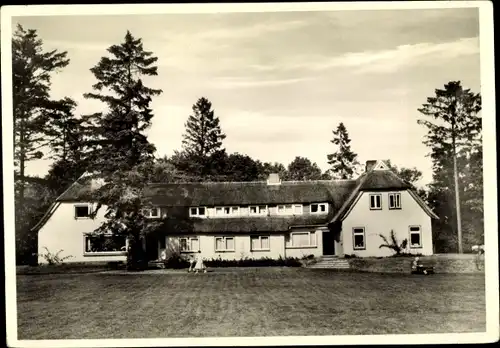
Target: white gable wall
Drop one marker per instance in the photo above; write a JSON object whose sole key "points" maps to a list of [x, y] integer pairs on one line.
{"points": [[63, 232], [376, 222]]}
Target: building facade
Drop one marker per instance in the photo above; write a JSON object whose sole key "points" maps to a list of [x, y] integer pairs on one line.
{"points": [[234, 220]]}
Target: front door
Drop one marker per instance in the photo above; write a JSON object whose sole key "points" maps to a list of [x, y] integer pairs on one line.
{"points": [[328, 243], [152, 247]]}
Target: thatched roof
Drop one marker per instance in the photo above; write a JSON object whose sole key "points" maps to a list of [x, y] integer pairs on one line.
{"points": [[248, 193], [379, 180], [339, 193]]}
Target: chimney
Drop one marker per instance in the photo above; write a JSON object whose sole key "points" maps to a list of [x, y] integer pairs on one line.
{"points": [[273, 179], [370, 164]]}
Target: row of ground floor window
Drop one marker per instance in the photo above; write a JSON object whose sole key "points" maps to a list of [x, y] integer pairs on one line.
{"points": [[298, 243]]}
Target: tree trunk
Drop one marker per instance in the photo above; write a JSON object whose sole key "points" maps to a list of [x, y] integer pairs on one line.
{"points": [[22, 163], [457, 194]]}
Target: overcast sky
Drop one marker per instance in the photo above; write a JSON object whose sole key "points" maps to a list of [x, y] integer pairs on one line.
{"points": [[281, 82]]}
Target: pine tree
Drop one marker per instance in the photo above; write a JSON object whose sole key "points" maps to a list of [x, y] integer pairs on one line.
{"points": [[454, 137], [203, 138], [344, 161], [67, 145], [121, 155], [117, 136], [32, 68]]}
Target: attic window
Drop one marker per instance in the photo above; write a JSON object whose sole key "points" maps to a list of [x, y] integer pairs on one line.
{"points": [[152, 213], [394, 200], [297, 209], [197, 211], [258, 210], [285, 209], [82, 211], [227, 211], [319, 208], [376, 202]]}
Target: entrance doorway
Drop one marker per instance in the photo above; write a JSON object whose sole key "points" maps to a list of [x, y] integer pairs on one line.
{"points": [[152, 247], [328, 243]]}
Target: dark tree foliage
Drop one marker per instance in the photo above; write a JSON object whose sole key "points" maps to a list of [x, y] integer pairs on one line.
{"points": [[267, 168], [344, 161], [121, 157], [240, 167], [302, 169], [453, 124], [116, 136], [202, 141], [32, 68]]}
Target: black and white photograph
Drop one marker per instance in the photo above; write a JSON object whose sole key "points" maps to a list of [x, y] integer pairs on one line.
{"points": [[249, 174]]}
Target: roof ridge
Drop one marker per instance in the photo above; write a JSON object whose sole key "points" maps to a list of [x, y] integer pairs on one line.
{"points": [[250, 182]]}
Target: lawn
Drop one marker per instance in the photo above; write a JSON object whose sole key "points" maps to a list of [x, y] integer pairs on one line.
{"points": [[246, 302]]}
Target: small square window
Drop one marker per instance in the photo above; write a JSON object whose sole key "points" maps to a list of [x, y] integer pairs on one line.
{"points": [[319, 208], [82, 211], [297, 209], [224, 244]]}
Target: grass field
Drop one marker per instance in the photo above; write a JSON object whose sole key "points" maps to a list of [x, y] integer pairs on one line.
{"points": [[246, 302]]}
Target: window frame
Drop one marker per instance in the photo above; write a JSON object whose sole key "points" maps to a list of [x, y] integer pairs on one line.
{"points": [[319, 209], [301, 209], [159, 215], [292, 246], [225, 238], [189, 240], [257, 210], [198, 215], [357, 233], [419, 232], [82, 205], [103, 253], [379, 195], [284, 212], [259, 237], [394, 195]]}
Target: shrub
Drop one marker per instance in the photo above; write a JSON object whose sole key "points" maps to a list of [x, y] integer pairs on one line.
{"points": [[394, 244], [116, 265], [54, 259], [406, 255], [250, 262], [350, 256], [176, 261]]}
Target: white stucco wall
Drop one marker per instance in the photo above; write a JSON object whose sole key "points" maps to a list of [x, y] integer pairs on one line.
{"points": [[383, 221], [63, 232], [291, 251], [242, 247]]}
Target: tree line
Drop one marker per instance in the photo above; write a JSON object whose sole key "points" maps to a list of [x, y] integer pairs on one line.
{"points": [[111, 144]]}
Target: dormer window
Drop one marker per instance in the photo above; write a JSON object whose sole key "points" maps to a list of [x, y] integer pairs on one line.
{"points": [[82, 211], [285, 209], [258, 210], [152, 213], [375, 201], [319, 208], [197, 212]]}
